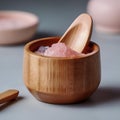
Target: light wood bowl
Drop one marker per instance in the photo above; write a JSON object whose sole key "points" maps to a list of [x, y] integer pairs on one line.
{"points": [[61, 80]]}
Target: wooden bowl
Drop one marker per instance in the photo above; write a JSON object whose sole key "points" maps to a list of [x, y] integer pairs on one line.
{"points": [[17, 26], [60, 80]]}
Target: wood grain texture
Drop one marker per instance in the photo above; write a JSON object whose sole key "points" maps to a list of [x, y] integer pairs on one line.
{"points": [[78, 35], [8, 95], [61, 80]]}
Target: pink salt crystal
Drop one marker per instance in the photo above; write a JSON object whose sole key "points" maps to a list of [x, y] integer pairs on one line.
{"points": [[60, 50], [41, 50]]}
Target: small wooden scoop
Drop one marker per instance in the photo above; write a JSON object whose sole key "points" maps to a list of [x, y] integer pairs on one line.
{"points": [[78, 34], [8, 95]]}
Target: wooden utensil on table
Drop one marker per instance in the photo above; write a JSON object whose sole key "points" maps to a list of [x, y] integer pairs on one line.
{"points": [[8, 95]]}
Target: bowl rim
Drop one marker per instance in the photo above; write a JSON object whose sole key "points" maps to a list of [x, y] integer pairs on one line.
{"points": [[27, 49], [6, 13]]}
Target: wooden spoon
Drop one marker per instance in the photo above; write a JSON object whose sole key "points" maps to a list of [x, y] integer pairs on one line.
{"points": [[8, 95], [78, 34]]}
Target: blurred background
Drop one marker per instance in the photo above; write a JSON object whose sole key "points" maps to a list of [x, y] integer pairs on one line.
{"points": [[54, 15]]}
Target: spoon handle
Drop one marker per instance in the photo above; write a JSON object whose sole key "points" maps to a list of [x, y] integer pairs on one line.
{"points": [[8, 95]]}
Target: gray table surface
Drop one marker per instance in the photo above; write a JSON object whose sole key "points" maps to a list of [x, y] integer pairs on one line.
{"points": [[55, 16]]}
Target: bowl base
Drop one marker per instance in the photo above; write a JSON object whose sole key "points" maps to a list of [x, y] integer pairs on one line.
{"points": [[59, 99]]}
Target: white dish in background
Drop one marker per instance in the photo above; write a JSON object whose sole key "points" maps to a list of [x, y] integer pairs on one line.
{"points": [[17, 26]]}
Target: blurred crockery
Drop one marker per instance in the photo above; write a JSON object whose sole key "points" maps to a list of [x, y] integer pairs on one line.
{"points": [[17, 26], [105, 14]]}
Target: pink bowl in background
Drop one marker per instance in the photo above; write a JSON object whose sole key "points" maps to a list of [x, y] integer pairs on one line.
{"points": [[106, 15], [17, 26]]}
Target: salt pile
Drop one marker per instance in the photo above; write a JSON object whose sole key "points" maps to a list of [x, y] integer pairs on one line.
{"points": [[58, 50]]}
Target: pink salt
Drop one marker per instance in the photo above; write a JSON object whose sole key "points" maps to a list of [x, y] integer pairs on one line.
{"points": [[58, 50]]}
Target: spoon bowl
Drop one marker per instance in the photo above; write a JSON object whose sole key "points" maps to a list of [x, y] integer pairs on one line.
{"points": [[78, 34]]}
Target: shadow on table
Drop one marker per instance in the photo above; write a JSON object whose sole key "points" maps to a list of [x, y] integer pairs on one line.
{"points": [[10, 103], [43, 34], [38, 35], [104, 95]]}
